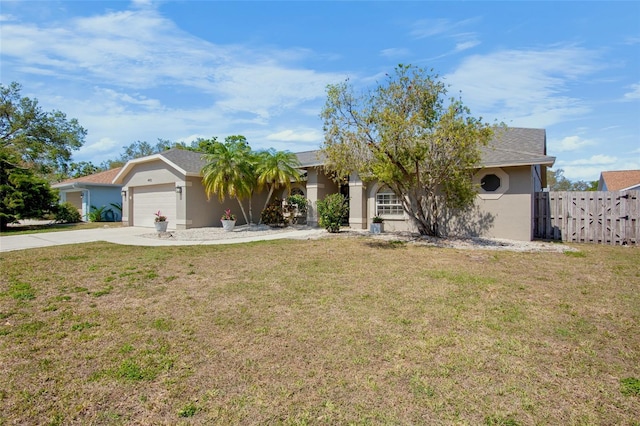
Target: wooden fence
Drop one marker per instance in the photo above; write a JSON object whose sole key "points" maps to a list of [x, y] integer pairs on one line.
{"points": [[588, 217]]}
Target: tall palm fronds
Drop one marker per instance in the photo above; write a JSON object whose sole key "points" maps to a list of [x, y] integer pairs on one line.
{"points": [[229, 171], [276, 169]]}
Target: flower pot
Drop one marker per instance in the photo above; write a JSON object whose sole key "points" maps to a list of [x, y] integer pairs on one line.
{"points": [[376, 228], [161, 226], [228, 225]]}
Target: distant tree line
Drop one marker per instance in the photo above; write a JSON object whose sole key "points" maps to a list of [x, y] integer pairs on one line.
{"points": [[556, 181]]}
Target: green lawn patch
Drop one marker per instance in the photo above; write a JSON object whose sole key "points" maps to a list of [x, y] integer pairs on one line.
{"points": [[329, 331]]}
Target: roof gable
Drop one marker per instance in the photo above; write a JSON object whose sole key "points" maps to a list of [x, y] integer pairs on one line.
{"points": [[185, 162]]}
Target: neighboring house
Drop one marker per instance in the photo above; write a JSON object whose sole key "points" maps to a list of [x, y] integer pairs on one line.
{"points": [[93, 190], [514, 168], [619, 180]]}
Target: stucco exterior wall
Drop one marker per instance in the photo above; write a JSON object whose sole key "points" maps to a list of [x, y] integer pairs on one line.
{"points": [[319, 186], [508, 216], [151, 173], [84, 196]]}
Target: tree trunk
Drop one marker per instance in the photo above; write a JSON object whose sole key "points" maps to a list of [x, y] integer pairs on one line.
{"points": [[242, 209], [266, 203]]}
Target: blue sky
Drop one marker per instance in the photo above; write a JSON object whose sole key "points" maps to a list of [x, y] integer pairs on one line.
{"points": [[179, 70]]}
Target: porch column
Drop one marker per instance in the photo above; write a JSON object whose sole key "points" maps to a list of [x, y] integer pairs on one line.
{"points": [[313, 188], [357, 202]]}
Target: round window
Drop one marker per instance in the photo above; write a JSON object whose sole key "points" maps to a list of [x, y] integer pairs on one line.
{"points": [[490, 183]]}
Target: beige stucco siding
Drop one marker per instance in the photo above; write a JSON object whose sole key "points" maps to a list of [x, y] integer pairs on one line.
{"points": [[318, 187], [151, 173], [507, 216], [512, 213]]}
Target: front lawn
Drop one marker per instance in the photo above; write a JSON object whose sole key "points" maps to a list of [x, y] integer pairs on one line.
{"points": [[55, 227], [329, 331]]}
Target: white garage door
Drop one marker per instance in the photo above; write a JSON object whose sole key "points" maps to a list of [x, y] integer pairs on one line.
{"points": [[147, 200]]}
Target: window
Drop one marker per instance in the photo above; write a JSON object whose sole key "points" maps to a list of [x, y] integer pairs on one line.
{"points": [[297, 191], [493, 183], [490, 183], [388, 203]]}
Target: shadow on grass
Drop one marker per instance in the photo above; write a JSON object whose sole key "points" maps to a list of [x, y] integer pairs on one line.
{"points": [[55, 227], [391, 244]]}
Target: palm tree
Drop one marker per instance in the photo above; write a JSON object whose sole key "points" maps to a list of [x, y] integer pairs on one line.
{"points": [[229, 170], [276, 169]]}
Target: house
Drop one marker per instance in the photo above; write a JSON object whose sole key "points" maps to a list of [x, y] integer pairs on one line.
{"points": [[513, 169], [619, 180], [93, 190]]}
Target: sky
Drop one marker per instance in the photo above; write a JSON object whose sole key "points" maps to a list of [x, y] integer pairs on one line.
{"points": [[179, 70]]}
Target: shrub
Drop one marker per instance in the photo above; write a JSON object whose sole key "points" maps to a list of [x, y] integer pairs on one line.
{"points": [[97, 214], [299, 201], [331, 211], [273, 215], [67, 213]]}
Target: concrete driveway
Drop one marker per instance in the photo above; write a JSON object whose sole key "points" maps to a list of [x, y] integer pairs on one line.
{"points": [[127, 236]]}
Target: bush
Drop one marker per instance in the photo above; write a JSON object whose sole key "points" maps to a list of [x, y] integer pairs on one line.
{"points": [[100, 214], [67, 213], [273, 215], [299, 201], [331, 211]]}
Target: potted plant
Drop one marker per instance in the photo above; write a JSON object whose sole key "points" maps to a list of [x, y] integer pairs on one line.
{"points": [[161, 222], [228, 220], [297, 209], [377, 225]]}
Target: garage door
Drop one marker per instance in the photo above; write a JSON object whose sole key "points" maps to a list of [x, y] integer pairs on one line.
{"points": [[147, 200]]}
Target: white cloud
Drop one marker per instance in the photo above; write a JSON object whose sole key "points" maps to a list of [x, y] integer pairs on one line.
{"points": [[465, 45], [448, 30], [395, 52], [7, 18], [527, 87], [599, 159], [569, 143], [588, 169], [299, 135], [634, 93], [424, 28], [143, 50]]}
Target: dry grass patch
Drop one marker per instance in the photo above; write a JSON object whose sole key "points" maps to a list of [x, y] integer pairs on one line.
{"points": [[330, 331]]}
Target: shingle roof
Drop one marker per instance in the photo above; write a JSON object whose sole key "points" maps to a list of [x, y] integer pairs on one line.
{"points": [[511, 146], [620, 179], [311, 158], [189, 161], [102, 178]]}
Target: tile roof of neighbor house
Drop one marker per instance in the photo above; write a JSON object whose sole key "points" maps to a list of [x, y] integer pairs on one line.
{"points": [[102, 178], [618, 180]]}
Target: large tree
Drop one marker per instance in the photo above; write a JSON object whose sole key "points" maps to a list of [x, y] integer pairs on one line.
{"points": [[35, 145], [408, 135], [39, 140], [276, 169], [23, 194], [230, 170]]}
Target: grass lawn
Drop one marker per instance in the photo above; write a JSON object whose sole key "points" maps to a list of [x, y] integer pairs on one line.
{"points": [[329, 331], [55, 227]]}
